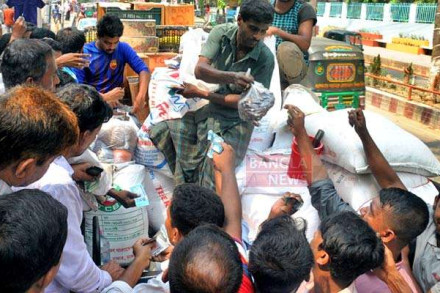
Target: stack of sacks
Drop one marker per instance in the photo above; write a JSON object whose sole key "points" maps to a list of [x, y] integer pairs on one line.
{"points": [[164, 105], [262, 177], [346, 162], [114, 148]]}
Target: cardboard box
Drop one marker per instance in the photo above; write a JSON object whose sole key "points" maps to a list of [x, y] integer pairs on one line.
{"points": [[139, 27], [143, 44]]}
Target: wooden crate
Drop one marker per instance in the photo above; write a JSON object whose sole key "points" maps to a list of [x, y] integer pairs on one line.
{"points": [[148, 6], [152, 60], [139, 27], [158, 59], [143, 44], [179, 15]]}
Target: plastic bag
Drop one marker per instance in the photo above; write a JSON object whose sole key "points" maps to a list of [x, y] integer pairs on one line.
{"points": [[255, 103]]}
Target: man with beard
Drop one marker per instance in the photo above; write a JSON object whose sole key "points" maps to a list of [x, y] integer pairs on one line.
{"points": [[292, 26], [426, 265], [231, 49]]}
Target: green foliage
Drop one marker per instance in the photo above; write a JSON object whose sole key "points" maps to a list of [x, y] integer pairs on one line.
{"points": [[375, 68], [412, 37]]}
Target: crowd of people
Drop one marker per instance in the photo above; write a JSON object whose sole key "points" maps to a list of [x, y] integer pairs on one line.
{"points": [[58, 94]]}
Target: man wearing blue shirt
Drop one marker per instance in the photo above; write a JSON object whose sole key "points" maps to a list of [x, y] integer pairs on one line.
{"points": [[27, 8], [108, 60]]}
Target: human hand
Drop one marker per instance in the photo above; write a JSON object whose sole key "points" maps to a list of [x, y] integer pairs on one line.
{"points": [[19, 28], [139, 104], [191, 91], [77, 60], [225, 161], [357, 120], [287, 205], [114, 269], [242, 79], [165, 255], [124, 197], [80, 174], [272, 31], [142, 250], [114, 95], [295, 120]]}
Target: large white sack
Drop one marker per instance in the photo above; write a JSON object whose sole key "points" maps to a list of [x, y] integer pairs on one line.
{"points": [[342, 146], [190, 46], [357, 189], [120, 226], [263, 135], [261, 181]]}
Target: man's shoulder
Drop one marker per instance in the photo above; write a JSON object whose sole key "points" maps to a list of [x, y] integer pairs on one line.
{"points": [[89, 47], [224, 28]]}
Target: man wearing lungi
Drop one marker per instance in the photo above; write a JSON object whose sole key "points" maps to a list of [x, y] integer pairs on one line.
{"points": [[231, 49]]}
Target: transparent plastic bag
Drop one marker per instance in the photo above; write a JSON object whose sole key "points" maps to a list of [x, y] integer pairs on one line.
{"points": [[255, 103]]}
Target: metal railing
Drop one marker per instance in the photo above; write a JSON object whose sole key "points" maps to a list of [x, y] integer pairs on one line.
{"points": [[335, 9], [320, 9], [400, 12], [354, 10], [399, 83], [375, 11], [425, 13]]}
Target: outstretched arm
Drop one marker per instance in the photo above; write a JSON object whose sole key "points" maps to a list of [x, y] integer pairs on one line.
{"points": [[382, 171], [311, 164], [224, 163]]}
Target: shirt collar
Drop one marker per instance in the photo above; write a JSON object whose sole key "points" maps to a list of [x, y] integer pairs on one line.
{"points": [[231, 35]]}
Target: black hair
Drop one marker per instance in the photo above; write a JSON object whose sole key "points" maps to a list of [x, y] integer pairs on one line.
{"points": [[4, 41], [34, 123], [352, 245], [71, 39], [280, 258], [260, 11], [56, 46], [22, 59], [87, 104], [40, 33], [193, 205], [205, 261], [409, 215], [109, 26], [33, 231]]}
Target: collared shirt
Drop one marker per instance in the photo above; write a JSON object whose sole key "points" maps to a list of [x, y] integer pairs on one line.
{"points": [[4, 188], [77, 272], [427, 256], [221, 49], [106, 71]]}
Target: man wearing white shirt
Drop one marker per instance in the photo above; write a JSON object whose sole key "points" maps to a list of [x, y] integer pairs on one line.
{"points": [[77, 271], [35, 127]]}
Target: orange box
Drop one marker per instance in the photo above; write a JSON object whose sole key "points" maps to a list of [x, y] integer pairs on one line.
{"points": [[158, 59], [148, 6], [179, 15]]}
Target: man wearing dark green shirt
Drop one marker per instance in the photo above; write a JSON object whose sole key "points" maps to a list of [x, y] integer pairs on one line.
{"points": [[228, 53]]}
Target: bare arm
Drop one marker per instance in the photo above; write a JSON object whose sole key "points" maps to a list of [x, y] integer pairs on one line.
{"points": [[302, 39], [141, 261], [311, 164], [206, 72], [225, 164], [382, 171], [141, 98], [191, 91]]}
